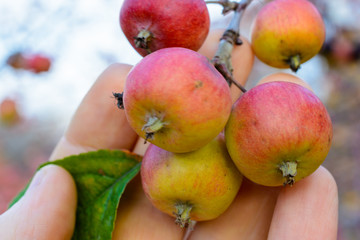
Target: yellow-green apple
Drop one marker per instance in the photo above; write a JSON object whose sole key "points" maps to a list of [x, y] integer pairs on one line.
{"points": [[194, 186], [287, 33]]}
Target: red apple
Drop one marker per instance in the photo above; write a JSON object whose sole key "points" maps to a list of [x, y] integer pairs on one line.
{"points": [[176, 99], [16, 60], [38, 63], [154, 24], [278, 133]]}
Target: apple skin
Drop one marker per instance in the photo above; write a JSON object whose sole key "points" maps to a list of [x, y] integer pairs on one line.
{"points": [[38, 63], [286, 28], [182, 89], [182, 23], [206, 179], [274, 123], [16, 60]]}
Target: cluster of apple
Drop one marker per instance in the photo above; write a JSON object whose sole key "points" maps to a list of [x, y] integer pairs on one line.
{"points": [[35, 62], [201, 142]]}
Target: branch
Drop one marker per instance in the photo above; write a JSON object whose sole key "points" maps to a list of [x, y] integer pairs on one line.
{"points": [[227, 5], [222, 58]]}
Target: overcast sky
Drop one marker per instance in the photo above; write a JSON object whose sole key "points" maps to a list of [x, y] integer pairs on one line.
{"points": [[82, 37]]}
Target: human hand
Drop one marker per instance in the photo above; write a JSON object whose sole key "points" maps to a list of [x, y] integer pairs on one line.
{"points": [[308, 210]]}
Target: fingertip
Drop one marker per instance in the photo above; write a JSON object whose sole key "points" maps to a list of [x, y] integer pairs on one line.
{"points": [[324, 175], [98, 123], [52, 180], [309, 208], [47, 208], [112, 73], [319, 182]]}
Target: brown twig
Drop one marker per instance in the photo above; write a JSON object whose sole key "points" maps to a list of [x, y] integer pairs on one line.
{"points": [[227, 5], [222, 58]]}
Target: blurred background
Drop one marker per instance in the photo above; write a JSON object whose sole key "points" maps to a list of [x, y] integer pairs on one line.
{"points": [[51, 52]]}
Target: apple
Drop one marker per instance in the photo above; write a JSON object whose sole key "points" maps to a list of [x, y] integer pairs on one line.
{"points": [[154, 24], [194, 186], [16, 60], [287, 33], [176, 99], [278, 133], [38, 63]]}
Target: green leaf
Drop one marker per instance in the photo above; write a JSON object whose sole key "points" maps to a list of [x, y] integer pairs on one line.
{"points": [[101, 178]]}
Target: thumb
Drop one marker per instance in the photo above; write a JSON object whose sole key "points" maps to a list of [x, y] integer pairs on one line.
{"points": [[46, 211]]}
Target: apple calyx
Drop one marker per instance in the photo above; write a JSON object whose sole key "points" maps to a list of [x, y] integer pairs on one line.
{"points": [[294, 62], [152, 125], [183, 215], [289, 171], [143, 39]]}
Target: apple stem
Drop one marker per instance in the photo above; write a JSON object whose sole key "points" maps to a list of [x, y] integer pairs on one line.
{"points": [[289, 170], [183, 215], [189, 230], [222, 58], [294, 62], [143, 39], [153, 125]]}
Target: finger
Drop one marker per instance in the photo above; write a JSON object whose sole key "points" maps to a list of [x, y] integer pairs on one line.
{"points": [[284, 77], [141, 146], [44, 212], [98, 123], [308, 210], [248, 217]]}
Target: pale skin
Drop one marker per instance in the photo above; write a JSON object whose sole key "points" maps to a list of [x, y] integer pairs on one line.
{"points": [[308, 210]]}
